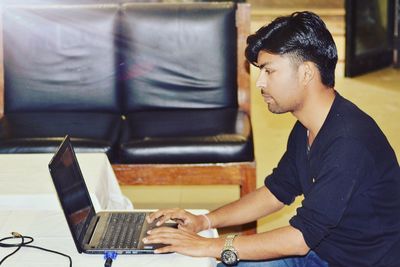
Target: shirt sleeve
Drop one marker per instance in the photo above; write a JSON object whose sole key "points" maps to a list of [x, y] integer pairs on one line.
{"points": [[345, 164], [283, 182]]}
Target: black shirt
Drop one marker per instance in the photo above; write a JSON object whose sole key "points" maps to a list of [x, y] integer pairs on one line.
{"points": [[350, 179]]}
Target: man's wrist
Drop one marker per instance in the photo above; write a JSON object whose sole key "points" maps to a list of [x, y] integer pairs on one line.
{"points": [[207, 225], [215, 247]]}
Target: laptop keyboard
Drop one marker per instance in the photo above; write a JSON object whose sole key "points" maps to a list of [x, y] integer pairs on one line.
{"points": [[123, 231]]}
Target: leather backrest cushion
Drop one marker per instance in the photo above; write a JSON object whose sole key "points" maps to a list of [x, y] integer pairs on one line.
{"points": [[178, 55], [60, 57]]}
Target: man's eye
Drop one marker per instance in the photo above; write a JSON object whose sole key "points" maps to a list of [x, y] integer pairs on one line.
{"points": [[267, 71]]}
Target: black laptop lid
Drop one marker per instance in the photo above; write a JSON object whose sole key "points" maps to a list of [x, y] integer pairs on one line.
{"points": [[72, 191]]}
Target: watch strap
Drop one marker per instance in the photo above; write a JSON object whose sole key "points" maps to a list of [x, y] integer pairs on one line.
{"points": [[228, 247], [229, 241]]}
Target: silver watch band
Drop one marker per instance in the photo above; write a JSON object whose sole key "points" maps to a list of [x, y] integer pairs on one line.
{"points": [[229, 240]]}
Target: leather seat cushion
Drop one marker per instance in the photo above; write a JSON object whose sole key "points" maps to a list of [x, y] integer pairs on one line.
{"points": [[42, 132], [186, 136]]}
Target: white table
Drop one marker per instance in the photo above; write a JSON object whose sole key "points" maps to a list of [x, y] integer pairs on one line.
{"points": [[50, 230], [28, 205], [25, 182]]}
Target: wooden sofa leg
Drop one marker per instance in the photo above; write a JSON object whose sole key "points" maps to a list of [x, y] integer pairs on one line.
{"points": [[248, 179], [248, 184]]}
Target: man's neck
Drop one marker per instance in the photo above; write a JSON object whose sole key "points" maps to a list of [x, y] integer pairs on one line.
{"points": [[315, 109]]}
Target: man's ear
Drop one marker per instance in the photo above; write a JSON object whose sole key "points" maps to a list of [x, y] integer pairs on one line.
{"points": [[307, 72]]}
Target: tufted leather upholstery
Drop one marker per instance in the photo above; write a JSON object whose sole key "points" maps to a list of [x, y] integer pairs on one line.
{"points": [[169, 68]]}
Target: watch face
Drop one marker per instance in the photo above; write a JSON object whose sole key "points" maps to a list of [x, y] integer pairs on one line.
{"points": [[229, 257]]}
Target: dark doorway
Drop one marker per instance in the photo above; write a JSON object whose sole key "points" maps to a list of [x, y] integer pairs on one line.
{"points": [[369, 35]]}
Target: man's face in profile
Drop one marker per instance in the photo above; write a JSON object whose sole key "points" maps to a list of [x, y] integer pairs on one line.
{"points": [[279, 82]]}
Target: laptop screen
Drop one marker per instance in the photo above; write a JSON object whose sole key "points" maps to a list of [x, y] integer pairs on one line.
{"points": [[72, 191]]}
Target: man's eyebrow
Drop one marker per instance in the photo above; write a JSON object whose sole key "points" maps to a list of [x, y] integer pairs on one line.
{"points": [[264, 65]]}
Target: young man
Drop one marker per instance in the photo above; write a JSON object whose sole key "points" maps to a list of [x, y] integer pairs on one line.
{"points": [[337, 158]]}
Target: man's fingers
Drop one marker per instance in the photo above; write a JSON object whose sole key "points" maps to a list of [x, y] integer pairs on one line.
{"points": [[162, 230], [156, 215], [159, 215], [163, 216], [166, 249], [165, 235], [176, 240], [163, 238]]}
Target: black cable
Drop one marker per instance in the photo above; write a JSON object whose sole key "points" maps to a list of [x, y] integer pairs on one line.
{"points": [[24, 243], [109, 256], [19, 245], [52, 251], [108, 262]]}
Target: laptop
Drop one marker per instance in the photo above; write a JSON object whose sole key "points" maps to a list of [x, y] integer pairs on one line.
{"points": [[118, 231]]}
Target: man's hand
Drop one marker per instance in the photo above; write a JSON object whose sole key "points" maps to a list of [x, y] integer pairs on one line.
{"points": [[184, 242], [186, 220]]}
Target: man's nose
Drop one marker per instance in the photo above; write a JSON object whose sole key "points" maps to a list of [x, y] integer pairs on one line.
{"points": [[261, 82]]}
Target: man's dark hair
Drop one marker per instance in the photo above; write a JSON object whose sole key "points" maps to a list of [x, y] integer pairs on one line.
{"points": [[302, 35]]}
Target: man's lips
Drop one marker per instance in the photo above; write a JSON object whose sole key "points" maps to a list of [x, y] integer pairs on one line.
{"points": [[267, 98]]}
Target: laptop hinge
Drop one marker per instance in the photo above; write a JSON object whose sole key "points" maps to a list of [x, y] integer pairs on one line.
{"points": [[90, 231]]}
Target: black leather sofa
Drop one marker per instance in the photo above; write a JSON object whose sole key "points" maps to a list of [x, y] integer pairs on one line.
{"points": [[77, 69], [150, 84]]}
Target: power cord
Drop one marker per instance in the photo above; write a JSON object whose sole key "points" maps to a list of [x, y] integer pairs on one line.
{"points": [[25, 241]]}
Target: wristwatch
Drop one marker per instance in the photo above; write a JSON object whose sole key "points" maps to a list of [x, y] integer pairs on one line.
{"points": [[229, 255]]}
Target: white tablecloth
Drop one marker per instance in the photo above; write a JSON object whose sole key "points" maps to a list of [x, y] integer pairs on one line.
{"points": [[28, 205], [25, 182], [50, 230]]}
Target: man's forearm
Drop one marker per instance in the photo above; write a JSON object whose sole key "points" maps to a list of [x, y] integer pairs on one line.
{"points": [[247, 209], [281, 242]]}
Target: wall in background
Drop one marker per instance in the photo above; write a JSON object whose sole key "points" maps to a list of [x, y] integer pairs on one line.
{"points": [[298, 3], [332, 12]]}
